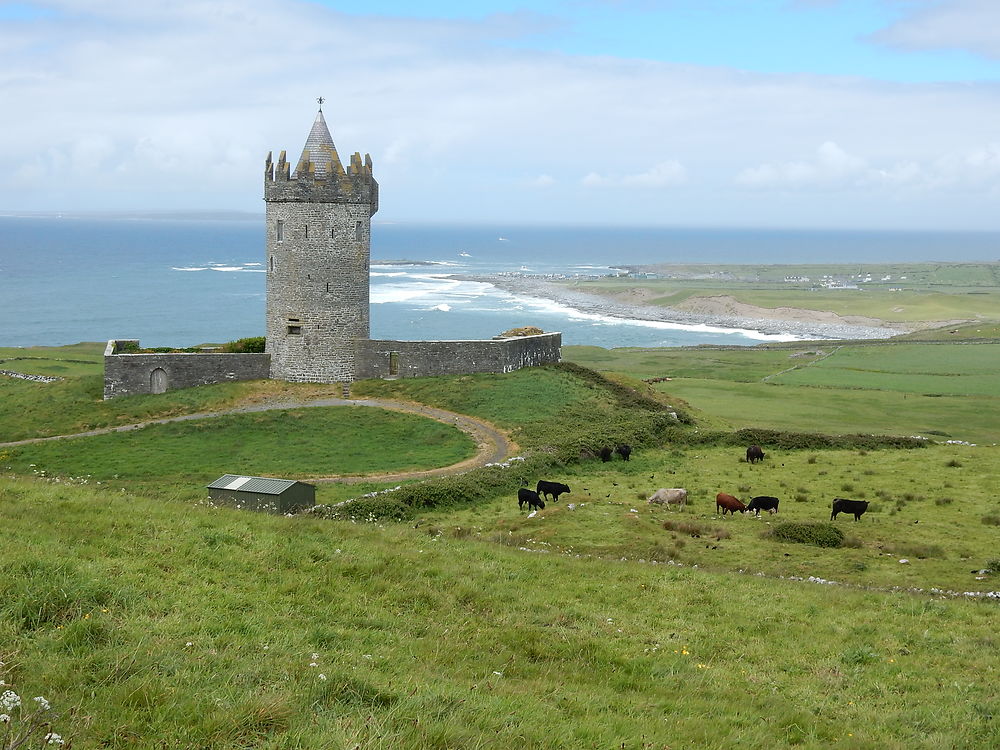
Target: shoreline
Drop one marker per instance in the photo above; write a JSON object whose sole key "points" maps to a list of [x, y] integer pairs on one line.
{"points": [[591, 303]]}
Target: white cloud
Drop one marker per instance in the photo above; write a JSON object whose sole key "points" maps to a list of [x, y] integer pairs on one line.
{"points": [[662, 175], [971, 25], [833, 168], [160, 104]]}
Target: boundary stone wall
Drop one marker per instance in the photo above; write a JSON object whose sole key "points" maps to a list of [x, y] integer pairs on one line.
{"points": [[132, 374], [411, 359]]}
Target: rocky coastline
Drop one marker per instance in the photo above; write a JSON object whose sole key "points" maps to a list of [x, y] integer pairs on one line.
{"points": [[786, 324]]}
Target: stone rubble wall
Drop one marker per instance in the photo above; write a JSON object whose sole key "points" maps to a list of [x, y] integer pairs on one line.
{"points": [[425, 358], [131, 374]]}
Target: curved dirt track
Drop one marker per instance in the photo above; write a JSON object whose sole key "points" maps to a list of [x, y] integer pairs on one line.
{"points": [[492, 445]]}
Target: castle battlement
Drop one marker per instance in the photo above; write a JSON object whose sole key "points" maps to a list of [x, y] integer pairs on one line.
{"points": [[319, 175]]}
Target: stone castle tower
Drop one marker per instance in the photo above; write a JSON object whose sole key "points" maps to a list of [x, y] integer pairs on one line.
{"points": [[318, 225]]}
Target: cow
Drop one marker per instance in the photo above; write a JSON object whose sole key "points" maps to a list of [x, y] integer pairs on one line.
{"points": [[524, 495], [763, 502], [544, 489], [669, 496], [605, 454], [728, 502], [754, 454], [624, 451], [855, 507]]}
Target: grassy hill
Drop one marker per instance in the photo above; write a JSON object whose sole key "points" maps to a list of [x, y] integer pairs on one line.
{"points": [[149, 618]]}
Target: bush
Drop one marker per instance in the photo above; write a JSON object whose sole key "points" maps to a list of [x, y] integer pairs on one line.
{"points": [[818, 534], [991, 519], [249, 345]]}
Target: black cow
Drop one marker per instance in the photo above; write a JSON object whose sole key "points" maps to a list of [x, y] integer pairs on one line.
{"points": [[754, 454], [763, 502], [624, 451], [555, 489], [605, 454], [856, 507], [524, 495]]}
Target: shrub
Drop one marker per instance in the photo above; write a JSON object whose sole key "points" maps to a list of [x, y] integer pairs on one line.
{"points": [[847, 487], [919, 551], [954, 463], [993, 566], [811, 460], [250, 345], [815, 533], [944, 501], [991, 519]]}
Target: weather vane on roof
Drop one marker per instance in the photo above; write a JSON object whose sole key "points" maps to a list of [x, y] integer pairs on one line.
{"points": [[320, 99]]}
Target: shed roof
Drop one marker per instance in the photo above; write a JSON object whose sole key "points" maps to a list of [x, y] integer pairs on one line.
{"points": [[260, 485]]}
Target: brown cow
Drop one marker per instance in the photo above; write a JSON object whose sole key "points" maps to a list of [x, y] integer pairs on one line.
{"points": [[728, 502]]}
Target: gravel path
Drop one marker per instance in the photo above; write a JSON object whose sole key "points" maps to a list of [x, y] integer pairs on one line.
{"points": [[492, 446]]}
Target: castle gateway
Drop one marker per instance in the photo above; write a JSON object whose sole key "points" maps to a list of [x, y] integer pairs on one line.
{"points": [[318, 225]]}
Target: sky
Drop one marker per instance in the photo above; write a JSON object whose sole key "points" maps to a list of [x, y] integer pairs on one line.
{"points": [[851, 114]]}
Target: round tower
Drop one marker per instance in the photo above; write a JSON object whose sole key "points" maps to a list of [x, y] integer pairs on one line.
{"points": [[318, 226]]}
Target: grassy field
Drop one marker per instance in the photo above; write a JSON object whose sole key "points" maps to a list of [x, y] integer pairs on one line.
{"points": [[149, 618], [926, 505], [945, 390], [901, 293], [299, 442], [148, 623]]}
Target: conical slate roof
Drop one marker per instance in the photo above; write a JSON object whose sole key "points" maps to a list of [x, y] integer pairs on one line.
{"points": [[320, 151]]}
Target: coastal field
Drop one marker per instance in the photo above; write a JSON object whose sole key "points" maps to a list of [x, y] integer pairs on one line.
{"points": [[147, 617], [939, 390], [908, 296]]}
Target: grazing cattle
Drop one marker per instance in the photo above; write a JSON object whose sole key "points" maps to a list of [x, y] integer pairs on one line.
{"points": [[726, 502], [555, 489], [669, 496], [605, 454], [856, 507], [624, 451], [763, 502], [754, 454], [524, 495]]}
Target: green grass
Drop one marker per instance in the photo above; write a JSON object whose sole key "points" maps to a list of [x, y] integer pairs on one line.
{"points": [[162, 624], [953, 369], [76, 404], [905, 519], [299, 443], [839, 411], [943, 390], [86, 358]]}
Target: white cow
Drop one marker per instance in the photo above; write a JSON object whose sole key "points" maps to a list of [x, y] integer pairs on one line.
{"points": [[668, 497]]}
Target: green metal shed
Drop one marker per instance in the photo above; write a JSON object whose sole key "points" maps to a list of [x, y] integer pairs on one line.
{"points": [[262, 493]]}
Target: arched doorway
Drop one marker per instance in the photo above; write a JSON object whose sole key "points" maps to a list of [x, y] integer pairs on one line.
{"points": [[158, 381]]}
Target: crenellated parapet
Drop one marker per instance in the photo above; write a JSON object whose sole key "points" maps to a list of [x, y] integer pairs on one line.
{"points": [[320, 176]]}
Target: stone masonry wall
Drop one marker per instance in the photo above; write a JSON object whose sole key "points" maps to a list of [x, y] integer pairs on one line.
{"points": [[317, 289], [423, 358], [131, 374]]}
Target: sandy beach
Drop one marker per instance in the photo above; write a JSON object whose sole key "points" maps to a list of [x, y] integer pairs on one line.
{"points": [[721, 311]]}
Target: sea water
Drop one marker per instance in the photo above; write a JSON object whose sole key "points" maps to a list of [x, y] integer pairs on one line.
{"points": [[186, 282]]}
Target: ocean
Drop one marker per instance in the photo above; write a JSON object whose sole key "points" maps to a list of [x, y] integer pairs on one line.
{"points": [[186, 282]]}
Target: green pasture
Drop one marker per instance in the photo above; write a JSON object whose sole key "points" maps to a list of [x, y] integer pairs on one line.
{"points": [[737, 364], [86, 358], [29, 410], [320, 441], [953, 369], [907, 306], [926, 505], [931, 389], [157, 623], [841, 410]]}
